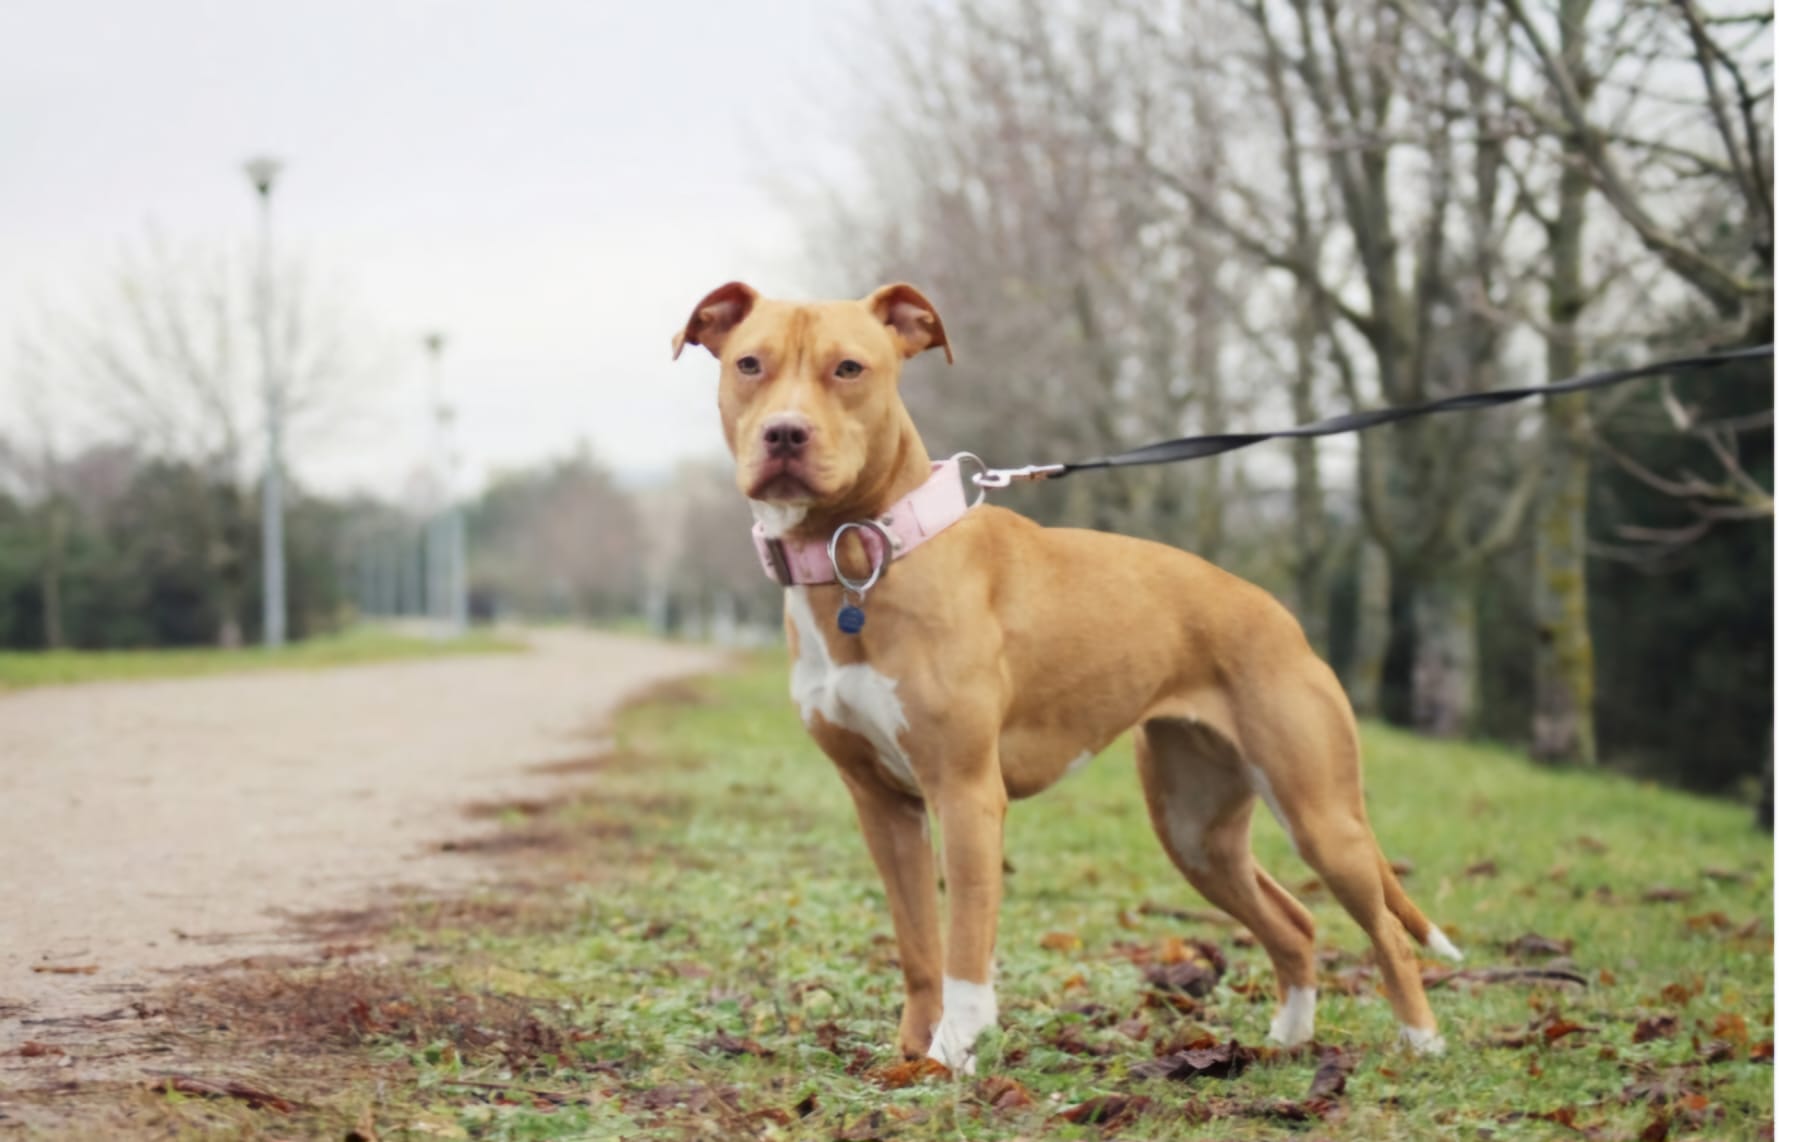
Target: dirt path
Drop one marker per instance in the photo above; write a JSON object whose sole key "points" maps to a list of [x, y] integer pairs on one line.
{"points": [[146, 826]]}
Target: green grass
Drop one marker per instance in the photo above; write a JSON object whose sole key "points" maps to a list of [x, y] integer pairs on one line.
{"points": [[744, 904], [21, 668]]}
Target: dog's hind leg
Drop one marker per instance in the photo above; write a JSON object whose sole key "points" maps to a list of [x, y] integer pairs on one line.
{"points": [[1303, 753], [1202, 809]]}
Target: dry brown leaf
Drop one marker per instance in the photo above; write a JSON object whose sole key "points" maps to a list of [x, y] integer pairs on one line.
{"points": [[1482, 868], [1000, 1092], [1665, 894], [1536, 945], [228, 1088], [1061, 942], [1113, 1110], [1222, 1061], [1655, 1027], [66, 969], [893, 1076], [726, 1044]]}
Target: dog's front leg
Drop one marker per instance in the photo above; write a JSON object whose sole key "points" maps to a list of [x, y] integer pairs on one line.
{"points": [[970, 806], [896, 828]]}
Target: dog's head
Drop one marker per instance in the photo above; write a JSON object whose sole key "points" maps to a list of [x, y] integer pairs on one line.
{"points": [[809, 391]]}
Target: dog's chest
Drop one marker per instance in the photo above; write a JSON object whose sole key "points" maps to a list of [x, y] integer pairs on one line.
{"points": [[854, 697]]}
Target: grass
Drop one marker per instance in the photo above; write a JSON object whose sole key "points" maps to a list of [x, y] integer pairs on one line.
{"points": [[706, 953], [22, 668]]}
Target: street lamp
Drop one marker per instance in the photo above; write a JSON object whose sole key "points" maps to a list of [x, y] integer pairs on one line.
{"points": [[262, 171], [445, 536]]}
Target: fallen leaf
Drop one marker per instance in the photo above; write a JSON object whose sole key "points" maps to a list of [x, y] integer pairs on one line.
{"points": [[1562, 977], [874, 1125], [1665, 894], [1560, 1028], [725, 1044], [1730, 1026], [1762, 1052], [229, 1088], [1655, 1027], [1223, 1061], [1107, 1110], [893, 1076], [1725, 875], [1402, 867], [66, 969], [1069, 1040], [1709, 921], [1061, 942], [1565, 1116], [1000, 1092], [1535, 945], [1330, 1082], [32, 1049], [1482, 868], [1590, 844], [1675, 993]]}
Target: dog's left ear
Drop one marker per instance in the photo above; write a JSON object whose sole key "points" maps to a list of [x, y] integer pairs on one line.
{"points": [[712, 319], [912, 319]]}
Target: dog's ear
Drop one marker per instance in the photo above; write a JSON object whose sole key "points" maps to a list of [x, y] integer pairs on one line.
{"points": [[713, 318], [913, 320]]}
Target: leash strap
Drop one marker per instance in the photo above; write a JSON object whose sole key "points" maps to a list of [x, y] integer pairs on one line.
{"points": [[1197, 447]]}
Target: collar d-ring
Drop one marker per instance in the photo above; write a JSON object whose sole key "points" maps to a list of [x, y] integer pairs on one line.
{"points": [[890, 544], [956, 459]]}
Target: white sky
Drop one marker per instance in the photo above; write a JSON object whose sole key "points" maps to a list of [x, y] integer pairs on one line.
{"points": [[552, 183]]}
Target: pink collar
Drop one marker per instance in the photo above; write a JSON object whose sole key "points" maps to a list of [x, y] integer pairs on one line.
{"points": [[926, 512]]}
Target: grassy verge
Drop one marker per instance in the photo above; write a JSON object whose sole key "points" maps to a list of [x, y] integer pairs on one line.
{"points": [[356, 645], [704, 952]]}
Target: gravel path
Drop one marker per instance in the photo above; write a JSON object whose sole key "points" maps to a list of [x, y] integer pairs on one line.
{"points": [[147, 826]]}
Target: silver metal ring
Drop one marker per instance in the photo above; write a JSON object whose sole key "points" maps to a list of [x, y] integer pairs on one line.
{"points": [[956, 459], [861, 587]]}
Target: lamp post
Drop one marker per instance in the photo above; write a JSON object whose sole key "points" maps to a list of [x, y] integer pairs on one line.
{"points": [[262, 171], [445, 540]]}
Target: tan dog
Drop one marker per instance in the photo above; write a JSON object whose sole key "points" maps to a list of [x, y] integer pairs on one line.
{"points": [[1000, 655]]}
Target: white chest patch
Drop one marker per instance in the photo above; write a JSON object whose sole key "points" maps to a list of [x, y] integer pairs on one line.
{"points": [[777, 519], [857, 698]]}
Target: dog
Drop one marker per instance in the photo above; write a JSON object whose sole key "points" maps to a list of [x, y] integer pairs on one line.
{"points": [[951, 660]]}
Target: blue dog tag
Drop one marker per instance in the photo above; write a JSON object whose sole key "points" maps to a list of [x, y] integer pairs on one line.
{"points": [[850, 619]]}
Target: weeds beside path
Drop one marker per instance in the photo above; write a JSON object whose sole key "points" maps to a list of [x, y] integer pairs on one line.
{"points": [[698, 947], [356, 646]]}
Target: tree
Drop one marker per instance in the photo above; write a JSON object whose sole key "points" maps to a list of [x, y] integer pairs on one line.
{"points": [[165, 352]]}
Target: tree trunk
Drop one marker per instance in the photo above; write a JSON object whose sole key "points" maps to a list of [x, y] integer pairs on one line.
{"points": [[1767, 803], [1372, 635], [55, 547], [1310, 572], [1444, 676], [1564, 723]]}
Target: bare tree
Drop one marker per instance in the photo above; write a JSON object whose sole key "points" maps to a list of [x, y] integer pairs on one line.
{"points": [[164, 354]]}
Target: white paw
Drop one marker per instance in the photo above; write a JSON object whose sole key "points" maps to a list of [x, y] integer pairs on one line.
{"points": [[967, 1009], [1419, 1041], [1295, 1022], [1440, 945]]}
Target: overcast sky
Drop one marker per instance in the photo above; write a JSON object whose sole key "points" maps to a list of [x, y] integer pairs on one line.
{"points": [[553, 184]]}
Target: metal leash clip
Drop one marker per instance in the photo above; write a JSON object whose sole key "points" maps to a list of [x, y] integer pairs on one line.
{"points": [[1004, 477]]}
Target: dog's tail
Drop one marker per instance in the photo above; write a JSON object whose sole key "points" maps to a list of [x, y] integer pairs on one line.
{"points": [[1410, 916]]}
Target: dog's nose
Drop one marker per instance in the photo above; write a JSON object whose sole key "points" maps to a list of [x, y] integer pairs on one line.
{"points": [[785, 437]]}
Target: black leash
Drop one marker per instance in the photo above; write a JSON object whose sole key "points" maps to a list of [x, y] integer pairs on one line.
{"points": [[1196, 447]]}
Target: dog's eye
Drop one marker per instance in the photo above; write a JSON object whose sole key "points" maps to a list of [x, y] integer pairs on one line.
{"points": [[848, 370], [749, 366]]}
